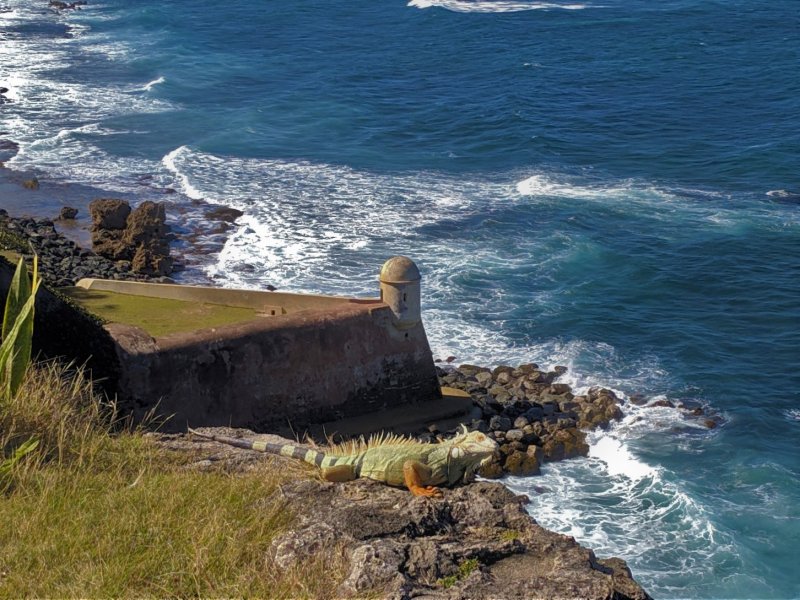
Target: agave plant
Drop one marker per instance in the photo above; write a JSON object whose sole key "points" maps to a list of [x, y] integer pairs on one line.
{"points": [[15, 350]]}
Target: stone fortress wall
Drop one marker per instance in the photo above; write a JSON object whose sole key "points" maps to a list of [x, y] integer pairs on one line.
{"points": [[302, 359]]}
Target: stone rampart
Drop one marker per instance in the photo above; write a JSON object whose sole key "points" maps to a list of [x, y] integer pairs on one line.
{"points": [[301, 368], [301, 360]]}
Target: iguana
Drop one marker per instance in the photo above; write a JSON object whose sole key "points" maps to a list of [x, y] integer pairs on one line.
{"points": [[395, 460]]}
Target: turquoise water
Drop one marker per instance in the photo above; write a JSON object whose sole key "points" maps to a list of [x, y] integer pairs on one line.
{"points": [[608, 185]]}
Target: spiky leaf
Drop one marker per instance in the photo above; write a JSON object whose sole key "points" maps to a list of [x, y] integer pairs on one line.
{"points": [[15, 350], [18, 293], [7, 464]]}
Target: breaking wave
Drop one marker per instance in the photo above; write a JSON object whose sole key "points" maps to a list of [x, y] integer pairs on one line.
{"points": [[497, 6]]}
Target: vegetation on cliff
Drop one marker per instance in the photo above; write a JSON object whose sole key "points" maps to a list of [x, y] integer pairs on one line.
{"points": [[94, 507]]}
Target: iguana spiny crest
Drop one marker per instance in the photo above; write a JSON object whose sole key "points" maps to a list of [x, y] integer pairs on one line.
{"points": [[392, 459]]}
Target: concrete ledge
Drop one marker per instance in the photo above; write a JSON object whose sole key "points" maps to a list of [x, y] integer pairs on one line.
{"points": [[454, 407], [256, 299]]}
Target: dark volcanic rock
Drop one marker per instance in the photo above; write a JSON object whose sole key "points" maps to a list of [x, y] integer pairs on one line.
{"points": [[109, 214], [61, 261], [67, 212], [140, 236], [224, 213], [58, 5], [477, 542], [525, 411]]}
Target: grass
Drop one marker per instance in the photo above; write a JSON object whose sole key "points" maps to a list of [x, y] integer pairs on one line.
{"points": [[464, 571], [157, 316], [101, 510], [509, 535]]}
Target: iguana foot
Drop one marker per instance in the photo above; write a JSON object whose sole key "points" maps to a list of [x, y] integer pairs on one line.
{"points": [[414, 474], [430, 491]]}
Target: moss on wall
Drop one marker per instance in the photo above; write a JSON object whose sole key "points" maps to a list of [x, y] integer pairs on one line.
{"points": [[157, 316]]}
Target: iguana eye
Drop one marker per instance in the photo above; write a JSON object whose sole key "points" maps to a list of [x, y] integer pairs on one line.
{"points": [[480, 437]]}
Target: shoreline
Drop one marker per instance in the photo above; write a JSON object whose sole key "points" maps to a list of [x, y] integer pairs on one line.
{"points": [[199, 228], [534, 419], [447, 540]]}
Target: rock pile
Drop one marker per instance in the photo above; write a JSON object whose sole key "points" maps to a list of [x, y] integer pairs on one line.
{"points": [[139, 237], [61, 261], [532, 418]]}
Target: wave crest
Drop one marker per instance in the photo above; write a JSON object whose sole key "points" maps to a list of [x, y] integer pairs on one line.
{"points": [[493, 6]]}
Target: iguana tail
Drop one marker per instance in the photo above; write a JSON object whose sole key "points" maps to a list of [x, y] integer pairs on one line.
{"points": [[312, 457]]}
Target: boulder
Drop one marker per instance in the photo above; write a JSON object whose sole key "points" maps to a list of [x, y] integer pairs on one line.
{"points": [[521, 422], [565, 443], [522, 463], [492, 470], [140, 236], [662, 404], [223, 213], [67, 213], [109, 214], [499, 423], [484, 378], [515, 435]]}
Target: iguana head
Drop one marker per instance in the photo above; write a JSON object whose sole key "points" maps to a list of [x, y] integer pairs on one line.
{"points": [[471, 449]]}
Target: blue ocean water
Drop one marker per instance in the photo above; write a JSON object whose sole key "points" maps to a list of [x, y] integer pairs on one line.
{"points": [[613, 185]]}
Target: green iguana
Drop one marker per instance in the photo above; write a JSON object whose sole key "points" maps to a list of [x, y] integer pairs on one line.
{"points": [[395, 460]]}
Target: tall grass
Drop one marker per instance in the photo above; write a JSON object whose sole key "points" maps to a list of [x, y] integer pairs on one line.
{"points": [[93, 509]]}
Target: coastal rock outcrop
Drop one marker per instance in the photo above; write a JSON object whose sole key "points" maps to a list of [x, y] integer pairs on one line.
{"points": [[61, 261], [109, 214], [140, 236], [478, 541]]}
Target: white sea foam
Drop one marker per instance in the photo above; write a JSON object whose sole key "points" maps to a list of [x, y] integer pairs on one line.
{"points": [[618, 459], [657, 203], [494, 6], [55, 120], [617, 504], [792, 414], [170, 163], [150, 85], [302, 217], [546, 184], [782, 194]]}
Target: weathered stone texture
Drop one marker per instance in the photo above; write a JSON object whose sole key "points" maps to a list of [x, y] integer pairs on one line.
{"points": [[402, 546]]}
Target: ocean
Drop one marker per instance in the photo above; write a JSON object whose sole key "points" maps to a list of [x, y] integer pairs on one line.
{"points": [[609, 185]]}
